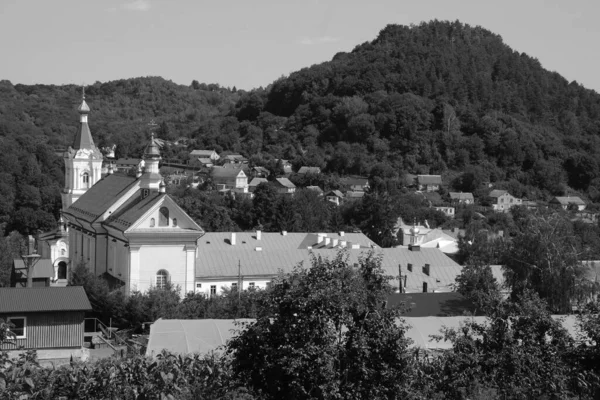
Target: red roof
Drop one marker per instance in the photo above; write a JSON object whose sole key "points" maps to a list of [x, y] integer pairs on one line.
{"points": [[23, 300]]}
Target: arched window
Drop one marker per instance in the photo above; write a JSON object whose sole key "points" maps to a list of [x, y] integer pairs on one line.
{"points": [[174, 222], [62, 270], [152, 222], [163, 216], [162, 277], [85, 178]]}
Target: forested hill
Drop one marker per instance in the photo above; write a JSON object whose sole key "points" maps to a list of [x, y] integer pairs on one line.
{"points": [[440, 97]]}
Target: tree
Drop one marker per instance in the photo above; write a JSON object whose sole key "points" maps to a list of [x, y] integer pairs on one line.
{"points": [[323, 333]]}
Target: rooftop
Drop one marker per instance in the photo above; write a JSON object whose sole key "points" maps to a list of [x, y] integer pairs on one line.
{"points": [[22, 300]]}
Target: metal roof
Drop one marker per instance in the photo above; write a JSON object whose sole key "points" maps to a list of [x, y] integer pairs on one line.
{"points": [[497, 193], [132, 210], [24, 300], [285, 182], [429, 179], [42, 269], [461, 196], [566, 200]]}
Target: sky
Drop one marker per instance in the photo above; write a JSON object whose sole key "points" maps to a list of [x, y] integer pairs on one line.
{"points": [[251, 43]]}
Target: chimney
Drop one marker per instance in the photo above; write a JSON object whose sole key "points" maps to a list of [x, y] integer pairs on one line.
{"points": [[232, 238], [258, 235], [426, 269], [258, 249], [414, 247], [283, 233], [356, 246], [334, 242], [342, 233], [409, 267], [327, 241], [309, 248], [319, 238], [342, 243]]}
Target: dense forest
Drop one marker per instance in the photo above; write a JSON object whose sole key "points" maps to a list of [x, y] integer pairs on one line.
{"points": [[439, 97]]}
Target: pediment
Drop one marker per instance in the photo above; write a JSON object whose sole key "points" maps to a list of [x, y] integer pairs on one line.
{"points": [[165, 215]]}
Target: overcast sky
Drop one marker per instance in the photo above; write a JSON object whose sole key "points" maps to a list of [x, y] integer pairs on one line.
{"points": [[250, 43]]}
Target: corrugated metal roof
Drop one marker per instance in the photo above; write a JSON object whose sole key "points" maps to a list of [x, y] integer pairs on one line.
{"points": [[199, 153], [429, 179], [257, 181], [309, 170], [132, 210], [100, 197], [497, 193], [566, 200], [21, 300], [42, 269], [285, 182], [461, 196], [451, 304], [220, 172]]}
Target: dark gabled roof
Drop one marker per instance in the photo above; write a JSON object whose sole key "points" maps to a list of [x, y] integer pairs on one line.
{"points": [[566, 200], [355, 181], [100, 197], [24, 300], [84, 140], [309, 170], [450, 304], [257, 181], [285, 182], [220, 172], [200, 153], [335, 193], [497, 193], [132, 210], [429, 179], [42, 269], [461, 196]]}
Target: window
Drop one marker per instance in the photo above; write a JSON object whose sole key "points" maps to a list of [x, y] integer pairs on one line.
{"points": [[251, 285], [234, 287], [424, 287], [213, 290], [18, 326], [62, 270], [174, 222], [85, 178], [152, 222], [163, 216], [198, 286], [162, 277]]}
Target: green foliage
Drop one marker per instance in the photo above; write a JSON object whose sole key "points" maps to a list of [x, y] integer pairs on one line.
{"points": [[325, 334]]}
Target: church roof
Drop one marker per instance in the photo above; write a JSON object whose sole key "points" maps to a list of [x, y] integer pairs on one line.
{"points": [[83, 139], [131, 211], [100, 197]]}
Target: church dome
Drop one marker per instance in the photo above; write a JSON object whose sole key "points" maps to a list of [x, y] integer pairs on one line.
{"points": [[83, 107], [152, 150]]}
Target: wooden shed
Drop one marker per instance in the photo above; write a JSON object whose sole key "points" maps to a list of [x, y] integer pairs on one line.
{"points": [[45, 317]]}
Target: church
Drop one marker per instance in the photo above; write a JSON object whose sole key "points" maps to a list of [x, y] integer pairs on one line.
{"points": [[124, 228]]}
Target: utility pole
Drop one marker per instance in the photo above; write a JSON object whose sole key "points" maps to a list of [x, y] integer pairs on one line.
{"points": [[400, 278], [30, 259], [239, 288]]}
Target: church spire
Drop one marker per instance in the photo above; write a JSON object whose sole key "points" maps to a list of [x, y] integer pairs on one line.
{"points": [[83, 140], [151, 177]]}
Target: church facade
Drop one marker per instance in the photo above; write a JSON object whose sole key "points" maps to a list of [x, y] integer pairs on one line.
{"points": [[125, 228]]}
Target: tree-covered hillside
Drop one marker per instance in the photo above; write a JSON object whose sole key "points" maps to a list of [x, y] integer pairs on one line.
{"points": [[440, 97]]}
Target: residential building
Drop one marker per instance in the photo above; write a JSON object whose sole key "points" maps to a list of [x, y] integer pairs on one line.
{"points": [[233, 179], [355, 183], [309, 170], [448, 211], [255, 182], [429, 183], [235, 159], [211, 155], [501, 200], [286, 164], [47, 319], [351, 196], [334, 196], [461, 198], [260, 172], [126, 165], [566, 202], [284, 186], [253, 259]]}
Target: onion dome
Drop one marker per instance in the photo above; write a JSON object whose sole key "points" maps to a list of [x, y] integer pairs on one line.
{"points": [[152, 150]]}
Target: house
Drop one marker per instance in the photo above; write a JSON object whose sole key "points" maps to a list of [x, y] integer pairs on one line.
{"points": [[425, 237], [445, 304], [204, 162], [253, 259], [448, 211], [309, 170], [429, 183], [567, 202], [128, 164], [461, 198], [260, 172], [255, 182], [235, 159], [351, 196], [355, 183], [334, 196], [284, 186], [47, 319], [501, 200], [204, 154], [233, 179]]}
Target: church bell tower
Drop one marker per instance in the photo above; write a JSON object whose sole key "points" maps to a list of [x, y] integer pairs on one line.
{"points": [[83, 160]]}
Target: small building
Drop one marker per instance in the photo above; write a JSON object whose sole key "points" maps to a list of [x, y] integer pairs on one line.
{"points": [[204, 162], [429, 183], [260, 172], [356, 183], [48, 319], [284, 186], [255, 182], [235, 159], [566, 202], [448, 211], [309, 170], [351, 195], [334, 196], [501, 200], [286, 164], [204, 154], [128, 164], [230, 178], [45, 273], [461, 198]]}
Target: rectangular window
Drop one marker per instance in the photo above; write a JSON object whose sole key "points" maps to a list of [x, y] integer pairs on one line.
{"points": [[234, 287], [251, 285], [198, 286], [18, 326], [213, 290]]}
